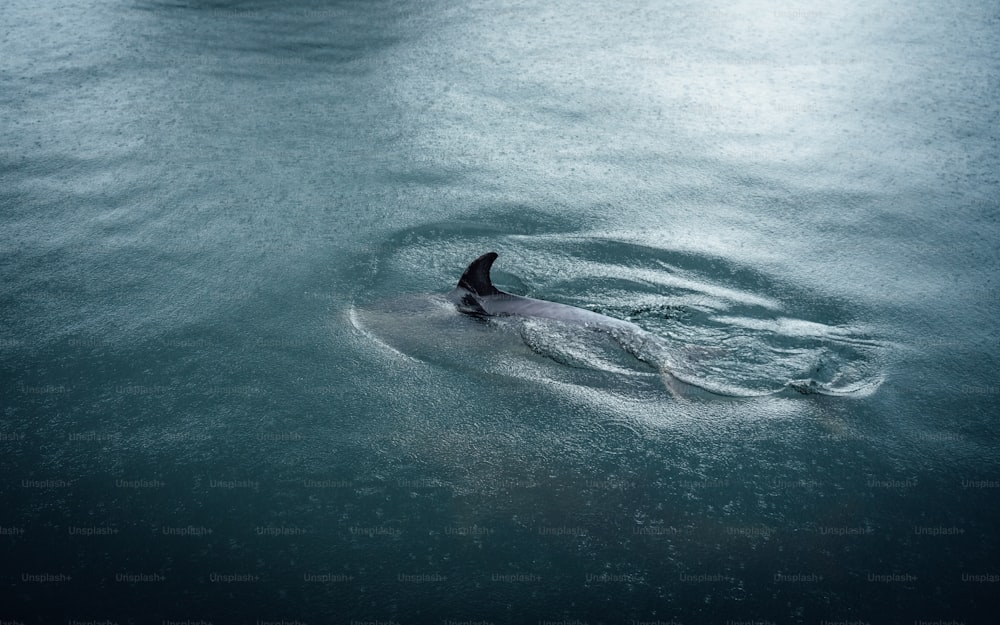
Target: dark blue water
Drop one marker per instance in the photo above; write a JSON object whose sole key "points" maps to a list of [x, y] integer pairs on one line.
{"points": [[233, 390]]}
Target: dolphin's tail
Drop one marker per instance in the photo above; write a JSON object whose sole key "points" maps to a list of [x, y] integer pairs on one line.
{"points": [[477, 276]]}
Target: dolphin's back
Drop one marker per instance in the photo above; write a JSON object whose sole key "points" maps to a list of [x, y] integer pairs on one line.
{"points": [[507, 304]]}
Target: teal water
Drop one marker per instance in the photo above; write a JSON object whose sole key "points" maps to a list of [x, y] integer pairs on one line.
{"points": [[233, 391]]}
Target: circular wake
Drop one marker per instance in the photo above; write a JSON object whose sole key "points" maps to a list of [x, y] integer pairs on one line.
{"points": [[695, 334]]}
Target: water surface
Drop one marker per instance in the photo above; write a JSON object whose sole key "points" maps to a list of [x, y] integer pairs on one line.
{"points": [[233, 391]]}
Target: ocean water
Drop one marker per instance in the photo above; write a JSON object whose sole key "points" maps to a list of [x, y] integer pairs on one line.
{"points": [[233, 390]]}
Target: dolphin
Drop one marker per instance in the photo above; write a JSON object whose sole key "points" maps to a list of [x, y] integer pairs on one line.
{"points": [[475, 295]]}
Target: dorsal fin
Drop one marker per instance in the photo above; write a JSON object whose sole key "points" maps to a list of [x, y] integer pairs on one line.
{"points": [[477, 276]]}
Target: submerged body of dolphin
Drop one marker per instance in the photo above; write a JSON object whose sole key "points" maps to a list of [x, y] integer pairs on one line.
{"points": [[475, 295]]}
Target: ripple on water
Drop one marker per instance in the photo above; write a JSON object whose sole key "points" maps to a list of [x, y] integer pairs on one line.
{"points": [[707, 327]]}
